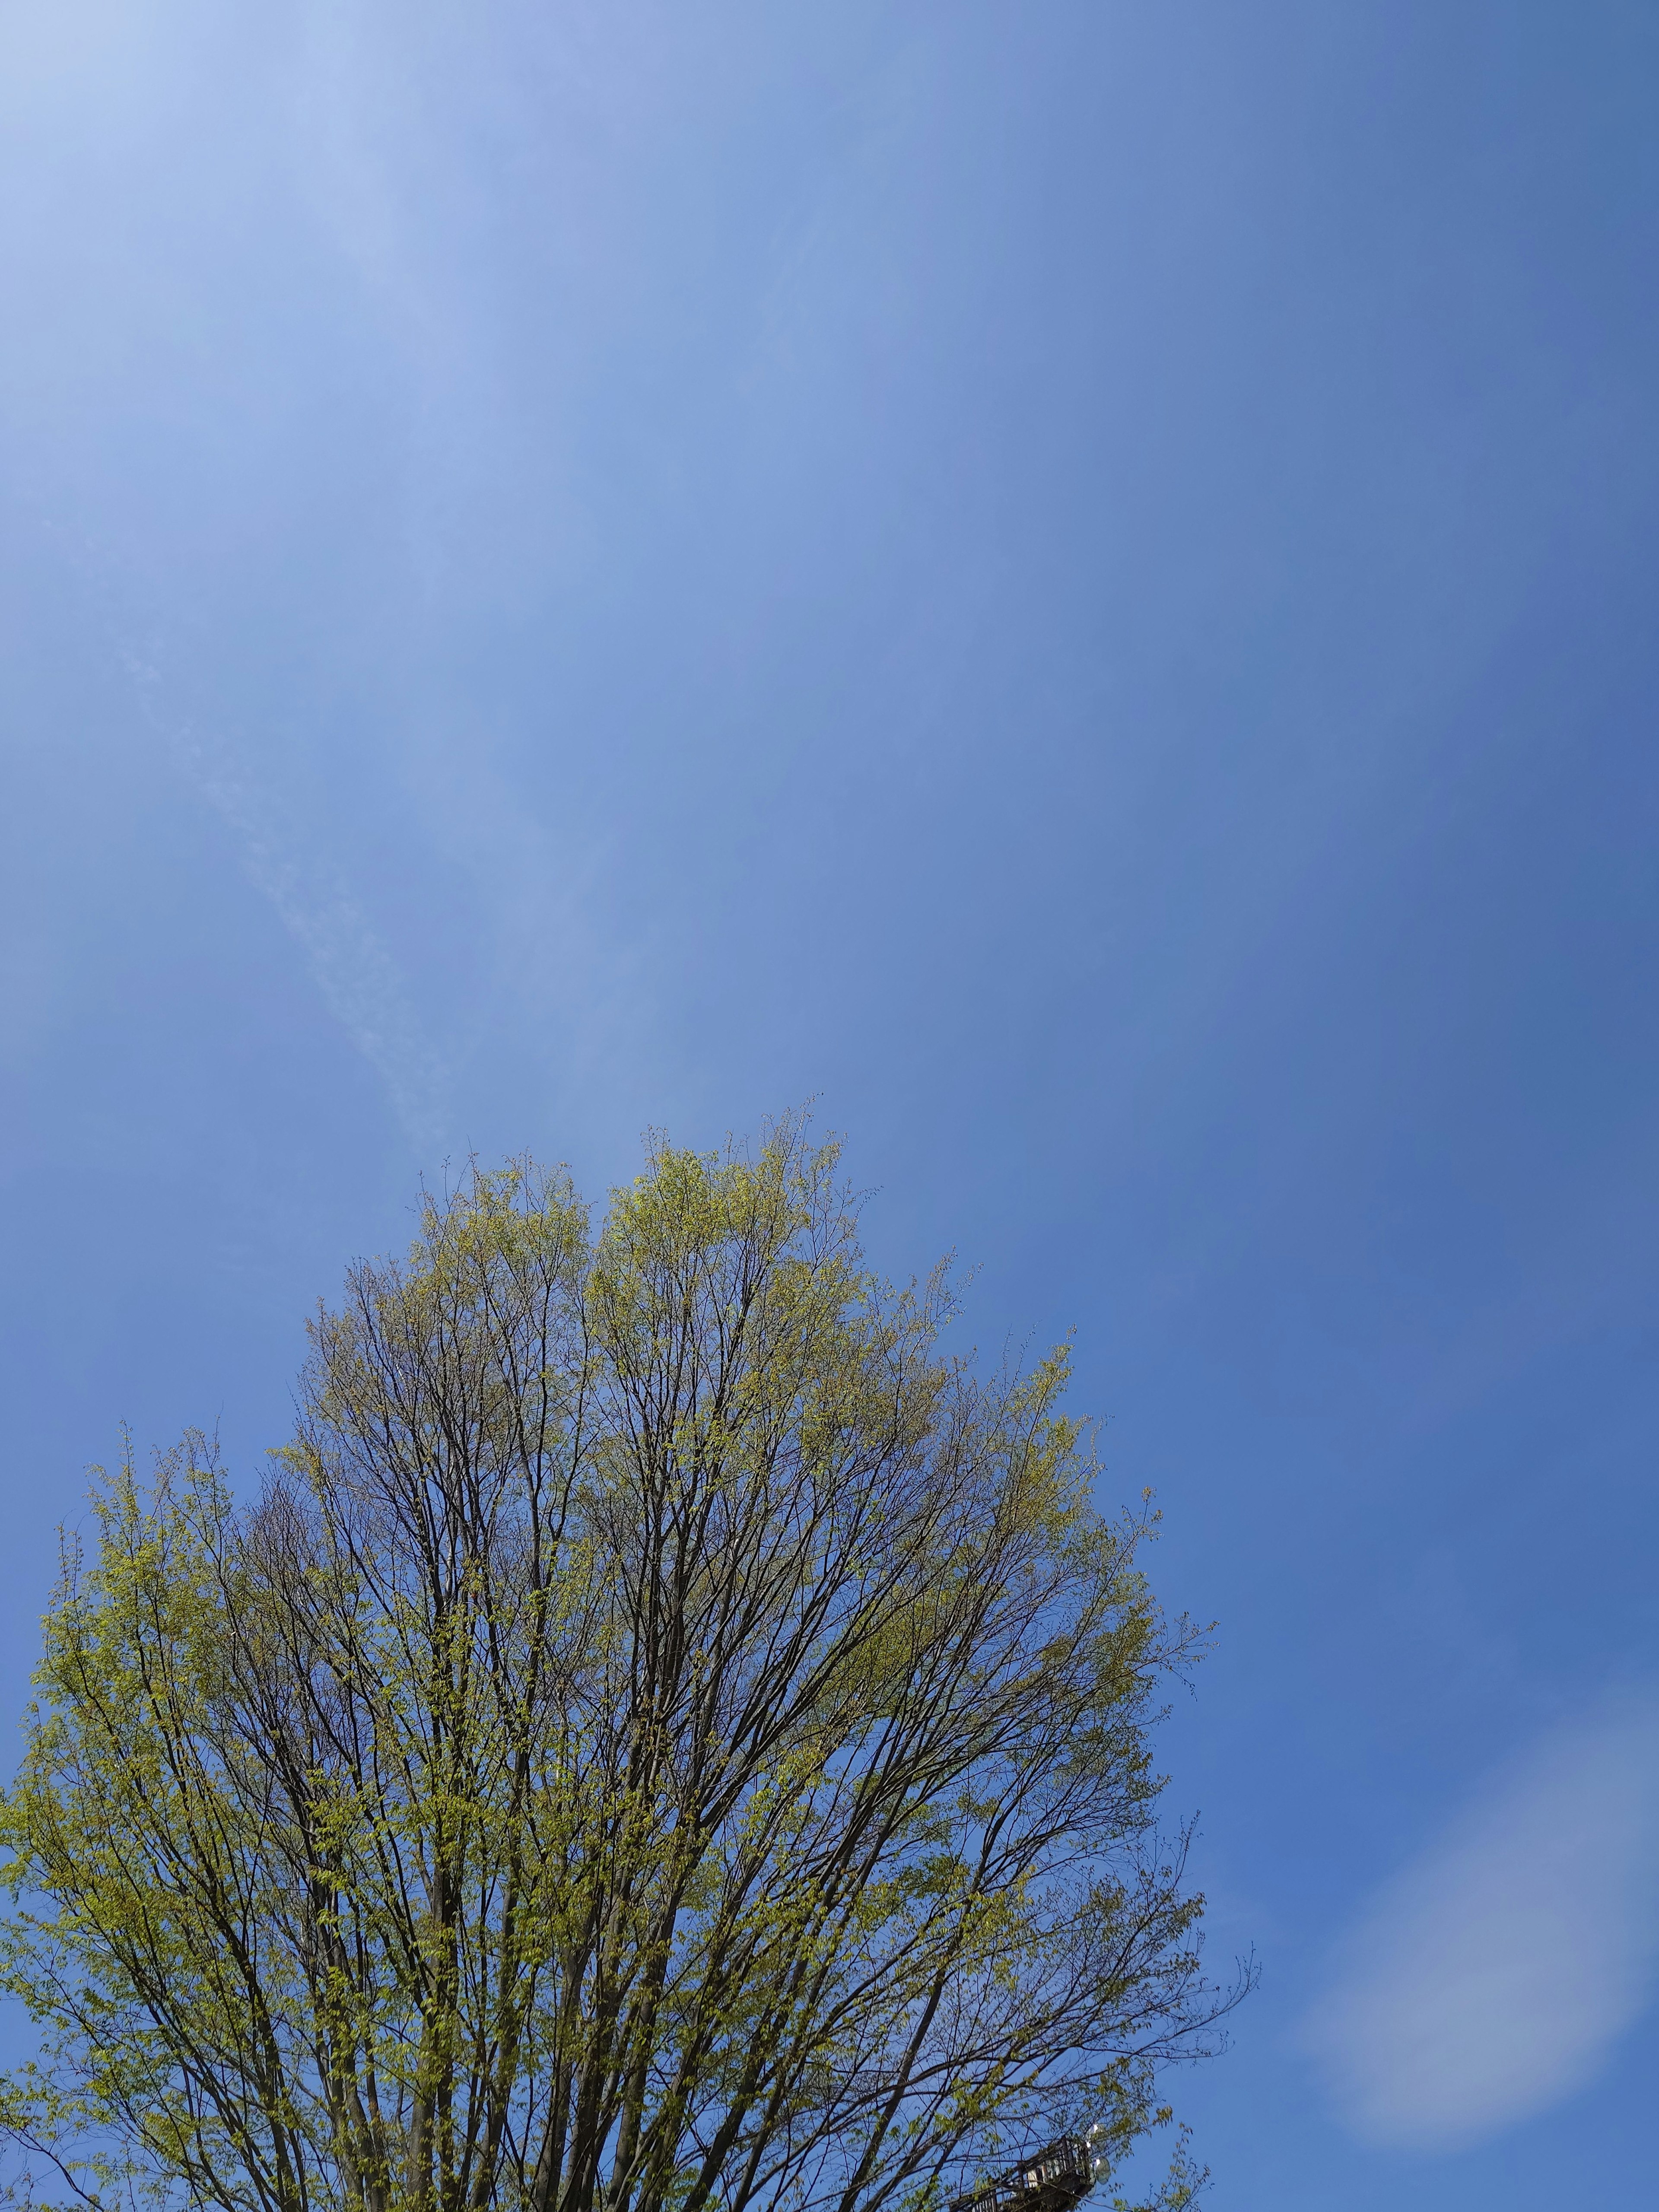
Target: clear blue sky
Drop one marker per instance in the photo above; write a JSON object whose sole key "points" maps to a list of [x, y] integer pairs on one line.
{"points": [[1074, 580]]}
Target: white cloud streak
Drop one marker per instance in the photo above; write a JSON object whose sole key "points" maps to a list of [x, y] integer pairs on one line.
{"points": [[1490, 1979], [359, 981]]}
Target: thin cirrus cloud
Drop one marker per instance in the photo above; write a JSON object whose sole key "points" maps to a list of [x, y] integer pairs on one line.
{"points": [[1490, 1978], [355, 972]]}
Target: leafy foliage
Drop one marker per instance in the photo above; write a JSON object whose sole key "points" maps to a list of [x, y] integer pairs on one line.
{"points": [[664, 1735]]}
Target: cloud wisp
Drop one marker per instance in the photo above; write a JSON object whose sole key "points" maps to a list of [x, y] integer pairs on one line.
{"points": [[1491, 1977], [357, 975]]}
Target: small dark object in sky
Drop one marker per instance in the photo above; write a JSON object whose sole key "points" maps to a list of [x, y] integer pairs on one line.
{"points": [[1052, 2181]]}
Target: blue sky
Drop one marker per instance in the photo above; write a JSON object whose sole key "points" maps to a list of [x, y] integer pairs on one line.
{"points": [[1073, 581]]}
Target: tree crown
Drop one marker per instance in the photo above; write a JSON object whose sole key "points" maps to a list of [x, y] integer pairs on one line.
{"points": [[664, 1735]]}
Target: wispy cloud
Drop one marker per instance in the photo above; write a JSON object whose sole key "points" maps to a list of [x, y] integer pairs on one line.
{"points": [[1490, 1979], [359, 981]]}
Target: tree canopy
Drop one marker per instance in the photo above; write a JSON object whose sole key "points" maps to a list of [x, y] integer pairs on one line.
{"points": [[666, 1736]]}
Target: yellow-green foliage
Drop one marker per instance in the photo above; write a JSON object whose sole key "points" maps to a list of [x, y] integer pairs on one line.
{"points": [[666, 1733]]}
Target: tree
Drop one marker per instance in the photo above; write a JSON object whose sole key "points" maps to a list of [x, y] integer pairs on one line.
{"points": [[665, 1736]]}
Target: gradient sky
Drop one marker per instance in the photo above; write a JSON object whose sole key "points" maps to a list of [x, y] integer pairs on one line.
{"points": [[1075, 581]]}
